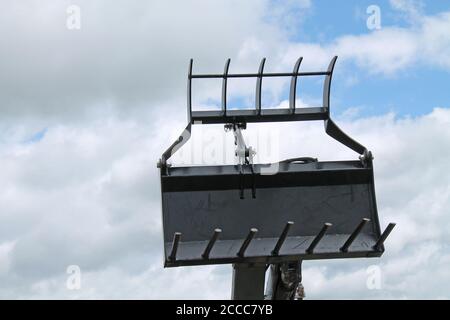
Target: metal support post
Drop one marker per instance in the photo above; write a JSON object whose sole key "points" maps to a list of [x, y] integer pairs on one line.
{"points": [[248, 281]]}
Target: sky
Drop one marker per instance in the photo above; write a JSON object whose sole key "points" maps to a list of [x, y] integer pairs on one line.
{"points": [[89, 105]]}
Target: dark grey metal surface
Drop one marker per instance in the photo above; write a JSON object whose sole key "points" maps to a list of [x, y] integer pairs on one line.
{"points": [[308, 194]]}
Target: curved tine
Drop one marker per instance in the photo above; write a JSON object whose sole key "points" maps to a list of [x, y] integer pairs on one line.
{"points": [[224, 86], [292, 92], [259, 86], [327, 85], [189, 91]]}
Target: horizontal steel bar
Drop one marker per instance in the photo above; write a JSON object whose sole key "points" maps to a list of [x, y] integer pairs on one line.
{"points": [[252, 116], [369, 253], [257, 75]]}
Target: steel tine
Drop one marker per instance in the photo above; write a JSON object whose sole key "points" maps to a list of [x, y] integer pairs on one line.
{"points": [[246, 242], [282, 238], [319, 237], [353, 236], [224, 87], [383, 236], [259, 86], [189, 90], [327, 85], [176, 241], [293, 88], [212, 241]]}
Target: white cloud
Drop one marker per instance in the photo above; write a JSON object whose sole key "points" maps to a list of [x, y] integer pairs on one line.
{"points": [[413, 9], [5, 249], [387, 51], [436, 40], [128, 55], [89, 196], [131, 57]]}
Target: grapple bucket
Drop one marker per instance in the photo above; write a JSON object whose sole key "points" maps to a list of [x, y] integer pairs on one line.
{"points": [[305, 209]]}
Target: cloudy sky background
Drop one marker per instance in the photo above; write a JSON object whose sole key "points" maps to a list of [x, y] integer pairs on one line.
{"points": [[85, 115]]}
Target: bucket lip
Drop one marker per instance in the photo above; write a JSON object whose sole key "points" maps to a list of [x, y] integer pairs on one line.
{"points": [[260, 250], [273, 260], [280, 168]]}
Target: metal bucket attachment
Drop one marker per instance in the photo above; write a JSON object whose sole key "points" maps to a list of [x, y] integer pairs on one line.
{"points": [[308, 209], [318, 210]]}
